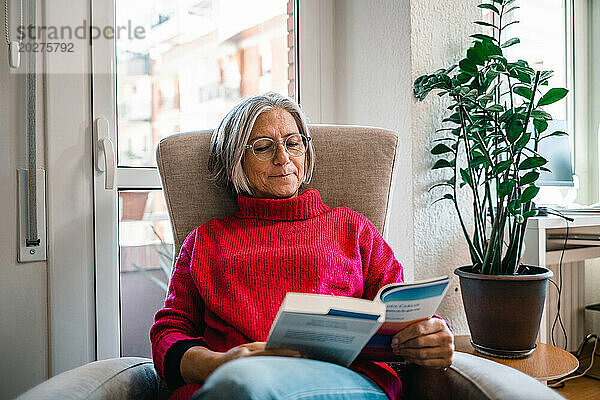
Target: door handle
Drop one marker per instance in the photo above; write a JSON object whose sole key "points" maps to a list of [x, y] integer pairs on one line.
{"points": [[104, 152]]}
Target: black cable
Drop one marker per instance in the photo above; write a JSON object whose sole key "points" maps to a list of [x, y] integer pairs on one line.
{"points": [[561, 382], [558, 317], [594, 353]]}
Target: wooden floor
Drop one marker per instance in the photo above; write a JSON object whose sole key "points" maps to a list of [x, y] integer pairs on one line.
{"points": [[584, 388]]}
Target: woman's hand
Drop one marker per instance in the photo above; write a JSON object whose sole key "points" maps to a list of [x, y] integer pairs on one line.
{"points": [[256, 349], [429, 343], [199, 362]]}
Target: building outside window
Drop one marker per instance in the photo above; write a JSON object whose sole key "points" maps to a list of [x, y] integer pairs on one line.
{"points": [[197, 60]]}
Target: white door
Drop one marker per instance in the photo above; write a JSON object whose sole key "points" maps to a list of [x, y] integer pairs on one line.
{"points": [[161, 67]]}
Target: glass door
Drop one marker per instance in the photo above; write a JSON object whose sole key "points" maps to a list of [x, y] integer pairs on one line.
{"points": [[162, 67]]}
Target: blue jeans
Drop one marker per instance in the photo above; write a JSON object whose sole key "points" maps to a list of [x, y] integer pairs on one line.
{"points": [[269, 378]]}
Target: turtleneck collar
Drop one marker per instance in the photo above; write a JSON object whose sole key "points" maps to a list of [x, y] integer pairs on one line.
{"points": [[306, 205]]}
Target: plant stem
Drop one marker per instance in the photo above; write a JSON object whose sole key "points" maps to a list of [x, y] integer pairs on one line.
{"points": [[477, 212], [488, 191], [510, 89], [474, 251], [494, 232], [530, 106]]}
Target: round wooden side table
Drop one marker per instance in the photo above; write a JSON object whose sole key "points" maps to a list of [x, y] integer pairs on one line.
{"points": [[545, 363]]}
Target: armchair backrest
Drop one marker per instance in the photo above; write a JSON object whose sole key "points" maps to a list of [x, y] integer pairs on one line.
{"points": [[353, 168]]}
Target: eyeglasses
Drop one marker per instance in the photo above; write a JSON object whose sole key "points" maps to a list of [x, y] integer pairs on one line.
{"points": [[265, 148]]}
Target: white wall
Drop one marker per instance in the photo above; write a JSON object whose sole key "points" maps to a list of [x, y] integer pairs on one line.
{"points": [[439, 36], [379, 48], [23, 293], [373, 87]]}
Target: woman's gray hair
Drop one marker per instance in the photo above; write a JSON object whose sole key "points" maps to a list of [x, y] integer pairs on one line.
{"points": [[228, 141]]}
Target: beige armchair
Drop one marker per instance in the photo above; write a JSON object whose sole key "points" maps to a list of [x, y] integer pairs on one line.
{"points": [[354, 169]]}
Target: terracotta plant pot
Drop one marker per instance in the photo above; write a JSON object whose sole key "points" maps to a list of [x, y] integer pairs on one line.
{"points": [[504, 311]]}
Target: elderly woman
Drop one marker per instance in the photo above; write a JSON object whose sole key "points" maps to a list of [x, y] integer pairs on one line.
{"points": [[233, 273]]}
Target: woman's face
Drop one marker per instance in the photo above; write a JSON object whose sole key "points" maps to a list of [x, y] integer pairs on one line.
{"points": [[280, 177]]}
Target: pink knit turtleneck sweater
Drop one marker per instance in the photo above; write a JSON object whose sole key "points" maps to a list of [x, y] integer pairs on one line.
{"points": [[233, 273]]}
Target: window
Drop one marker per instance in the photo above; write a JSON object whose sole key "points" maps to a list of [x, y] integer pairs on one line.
{"points": [[543, 29], [194, 62]]}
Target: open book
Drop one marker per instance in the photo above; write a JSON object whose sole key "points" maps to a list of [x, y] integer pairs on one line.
{"points": [[339, 329]]}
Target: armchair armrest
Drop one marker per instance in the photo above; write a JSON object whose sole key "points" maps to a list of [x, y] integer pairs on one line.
{"points": [[473, 378], [117, 378], [469, 378]]}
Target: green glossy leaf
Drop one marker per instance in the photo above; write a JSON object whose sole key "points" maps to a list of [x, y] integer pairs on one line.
{"points": [[510, 42], [490, 49], [447, 196], [481, 36], [463, 77], [530, 213], [450, 69], [529, 177], [523, 91], [501, 167], [514, 206], [540, 125], [472, 94], [442, 164], [545, 75], [467, 66], [511, 9], [464, 173], [497, 66], [500, 151], [509, 24], [506, 187], [525, 66], [476, 54], [552, 96], [540, 114], [545, 169], [490, 76], [453, 118], [495, 108], [483, 23], [489, 7], [529, 193], [449, 183], [557, 133], [532, 162], [477, 161], [440, 149], [514, 130], [506, 115], [521, 75]]}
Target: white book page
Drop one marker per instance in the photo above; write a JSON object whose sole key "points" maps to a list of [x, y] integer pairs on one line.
{"points": [[329, 338]]}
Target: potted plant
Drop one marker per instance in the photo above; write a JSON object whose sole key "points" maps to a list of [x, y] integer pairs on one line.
{"points": [[489, 143]]}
